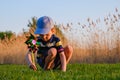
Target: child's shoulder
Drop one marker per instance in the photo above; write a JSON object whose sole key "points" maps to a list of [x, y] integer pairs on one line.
{"points": [[56, 38]]}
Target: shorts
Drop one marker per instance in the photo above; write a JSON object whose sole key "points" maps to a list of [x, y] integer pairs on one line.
{"points": [[41, 60]]}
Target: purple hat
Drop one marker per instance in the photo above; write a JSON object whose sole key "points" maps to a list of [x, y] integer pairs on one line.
{"points": [[44, 25]]}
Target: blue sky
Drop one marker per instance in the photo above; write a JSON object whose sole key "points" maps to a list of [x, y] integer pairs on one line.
{"points": [[14, 14]]}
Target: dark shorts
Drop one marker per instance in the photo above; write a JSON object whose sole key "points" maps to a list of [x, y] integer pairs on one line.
{"points": [[41, 60]]}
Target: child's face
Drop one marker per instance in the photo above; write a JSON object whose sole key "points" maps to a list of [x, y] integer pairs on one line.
{"points": [[46, 37]]}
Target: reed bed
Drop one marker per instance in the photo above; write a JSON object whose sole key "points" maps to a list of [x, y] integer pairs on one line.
{"points": [[96, 41]]}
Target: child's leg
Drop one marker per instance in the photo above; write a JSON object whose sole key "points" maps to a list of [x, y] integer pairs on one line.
{"points": [[68, 50], [50, 58]]}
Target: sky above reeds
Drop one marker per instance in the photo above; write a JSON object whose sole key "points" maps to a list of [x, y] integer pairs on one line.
{"points": [[14, 14]]}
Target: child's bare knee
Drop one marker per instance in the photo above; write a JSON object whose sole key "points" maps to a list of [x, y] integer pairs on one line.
{"points": [[69, 49], [52, 52]]}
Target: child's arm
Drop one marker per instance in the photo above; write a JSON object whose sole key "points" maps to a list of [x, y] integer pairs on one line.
{"points": [[63, 61], [29, 61], [60, 51]]}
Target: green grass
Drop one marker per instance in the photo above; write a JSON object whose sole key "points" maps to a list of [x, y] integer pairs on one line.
{"points": [[74, 72]]}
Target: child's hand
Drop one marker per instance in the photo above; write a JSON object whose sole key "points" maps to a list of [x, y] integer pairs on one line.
{"points": [[33, 67]]}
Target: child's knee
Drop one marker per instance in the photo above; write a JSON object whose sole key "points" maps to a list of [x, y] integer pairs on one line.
{"points": [[52, 52], [68, 49]]}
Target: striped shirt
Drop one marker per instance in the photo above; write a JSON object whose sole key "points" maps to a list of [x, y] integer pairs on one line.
{"points": [[54, 42]]}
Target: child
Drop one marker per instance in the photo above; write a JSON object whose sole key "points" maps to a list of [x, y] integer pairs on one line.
{"points": [[50, 53]]}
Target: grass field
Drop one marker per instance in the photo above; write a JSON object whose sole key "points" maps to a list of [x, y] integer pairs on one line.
{"points": [[74, 72]]}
